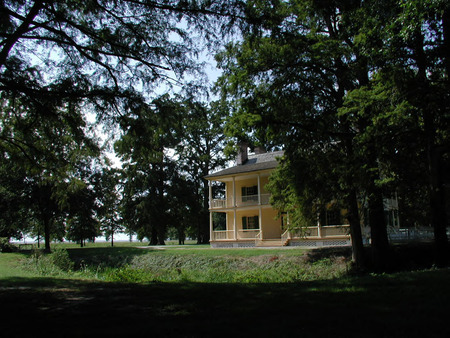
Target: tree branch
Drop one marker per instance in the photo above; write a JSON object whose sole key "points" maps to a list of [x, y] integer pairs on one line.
{"points": [[22, 29]]}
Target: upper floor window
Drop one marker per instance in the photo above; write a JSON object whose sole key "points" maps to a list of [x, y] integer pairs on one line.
{"points": [[250, 193]]}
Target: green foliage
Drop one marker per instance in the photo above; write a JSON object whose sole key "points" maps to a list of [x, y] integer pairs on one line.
{"points": [[57, 263], [107, 60], [6, 246], [354, 95], [60, 258], [221, 269]]}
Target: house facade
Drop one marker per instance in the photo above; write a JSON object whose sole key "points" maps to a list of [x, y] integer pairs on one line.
{"points": [[243, 216]]}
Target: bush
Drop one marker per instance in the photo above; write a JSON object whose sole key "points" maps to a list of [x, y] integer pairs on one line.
{"points": [[60, 257], [5, 246], [55, 264]]}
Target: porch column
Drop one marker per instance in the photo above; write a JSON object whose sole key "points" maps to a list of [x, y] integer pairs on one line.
{"points": [[211, 232], [210, 194], [260, 221], [319, 232], [259, 190], [234, 192], [235, 224], [210, 212]]}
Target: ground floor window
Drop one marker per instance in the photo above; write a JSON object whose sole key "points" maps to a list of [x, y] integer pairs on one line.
{"points": [[219, 221], [250, 222]]}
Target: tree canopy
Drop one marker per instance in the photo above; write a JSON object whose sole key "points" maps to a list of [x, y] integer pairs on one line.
{"points": [[345, 87], [61, 60]]}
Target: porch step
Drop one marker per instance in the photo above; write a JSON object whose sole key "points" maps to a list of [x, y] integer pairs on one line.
{"points": [[269, 243]]}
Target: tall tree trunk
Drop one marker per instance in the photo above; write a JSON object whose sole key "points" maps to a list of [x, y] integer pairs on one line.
{"points": [[153, 236], [46, 220], [437, 206], [161, 230], [433, 152], [446, 41], [435, 156], [205, 214], [358, 256], [203, 217], [377, 221], [378, 231]]}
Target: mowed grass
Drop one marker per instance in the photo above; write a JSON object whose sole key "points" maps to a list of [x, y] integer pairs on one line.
{"points": [[402, 304]]}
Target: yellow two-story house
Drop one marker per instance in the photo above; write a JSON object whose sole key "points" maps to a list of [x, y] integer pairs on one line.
{"points": [[247, 217]]}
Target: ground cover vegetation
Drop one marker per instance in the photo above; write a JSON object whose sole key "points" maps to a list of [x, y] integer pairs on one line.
{"points": [[133, 291], [196, 265], [356, 93]]}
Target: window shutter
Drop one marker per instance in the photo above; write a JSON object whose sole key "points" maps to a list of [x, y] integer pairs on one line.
{"points": [[244, 222]]}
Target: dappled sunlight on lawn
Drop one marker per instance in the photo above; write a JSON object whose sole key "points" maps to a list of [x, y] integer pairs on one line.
{"points": [[193, 309]]}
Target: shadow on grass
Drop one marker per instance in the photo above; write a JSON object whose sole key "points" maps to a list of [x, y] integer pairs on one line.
{"points": [[408, 304]]}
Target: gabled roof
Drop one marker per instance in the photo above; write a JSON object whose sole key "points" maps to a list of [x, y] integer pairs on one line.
{"points": [[255, 162]]}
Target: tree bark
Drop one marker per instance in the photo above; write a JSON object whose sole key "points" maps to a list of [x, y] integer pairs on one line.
{"points": [[437, 206], [378, 231], [22, 29], [358, 256], [46, 220], [377, 221], [153, 237]]}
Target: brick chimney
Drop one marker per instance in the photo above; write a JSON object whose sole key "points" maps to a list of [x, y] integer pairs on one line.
{"points": [[242, 155]]}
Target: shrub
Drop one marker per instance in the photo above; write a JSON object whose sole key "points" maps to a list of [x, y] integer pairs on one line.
{"points": [[6, 246], [60, 257], [54, 264]]}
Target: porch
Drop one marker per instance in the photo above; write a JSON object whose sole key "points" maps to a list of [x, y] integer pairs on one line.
{"points": [[315, 236], [244, 201]]}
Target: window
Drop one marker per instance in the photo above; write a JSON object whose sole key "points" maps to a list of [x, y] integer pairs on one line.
{"points": [[250, 193], [219, 221], [331, 216], [250, 222]]}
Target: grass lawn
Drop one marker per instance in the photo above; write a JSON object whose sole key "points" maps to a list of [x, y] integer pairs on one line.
{"points": [[402, 304]]}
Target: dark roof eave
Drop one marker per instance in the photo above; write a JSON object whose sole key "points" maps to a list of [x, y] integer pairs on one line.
{"points": [[243, 169]]}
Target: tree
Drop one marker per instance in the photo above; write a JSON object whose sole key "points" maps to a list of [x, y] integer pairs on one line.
{"points": [[14, 211], [200, 151], [335, 79], [408, 46], [59, 60], [102, 51], [149, 133], [48, 151], [289, 77], [108, 192]]}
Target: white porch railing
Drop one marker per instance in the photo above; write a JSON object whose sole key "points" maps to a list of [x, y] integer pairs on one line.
{"points": [[222, 235], [244, 201], [258, 238], [317, 232], [218, 203], [335, 230], [248, 234], [253, 200]]}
